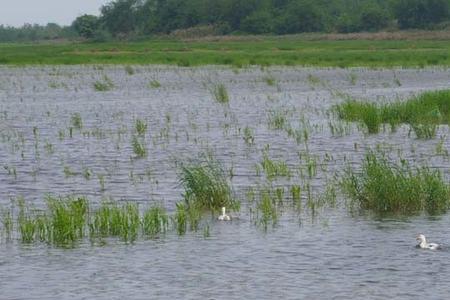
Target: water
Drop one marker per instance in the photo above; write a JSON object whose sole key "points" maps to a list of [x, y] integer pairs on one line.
{"points": [[332, 256]]}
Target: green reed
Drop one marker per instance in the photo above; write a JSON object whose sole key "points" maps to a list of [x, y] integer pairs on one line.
{"points": [[155, 221], [267, 210], [205, 185], [248, 136], [67, 219], [140, 126], [278, 120], [138, 147], [220, 93], [103, 85], [422, 112], [112, 219], [273, 168], [383, 186], [154, 84], [180, 218]]}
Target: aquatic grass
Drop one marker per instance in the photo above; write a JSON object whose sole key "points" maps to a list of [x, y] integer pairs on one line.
{"points": [[180, 218], [205, 185], [138, 147], [7, 222], [220, 93], [383, 186], [352, 77], [277, 120], [296, 196], [424, 131], [76, 121], [140, 126], [111, 219], [155, 221], [364, 112], [25, 222], [67, 219], [313, 80], [422, 112], [248, 136], [154, 84], [273, 168], [267, 210], [129, 70], [270, 80], [103, 85]]}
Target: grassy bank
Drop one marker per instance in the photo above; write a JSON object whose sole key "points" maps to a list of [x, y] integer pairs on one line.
{"points": [[242, 51]]}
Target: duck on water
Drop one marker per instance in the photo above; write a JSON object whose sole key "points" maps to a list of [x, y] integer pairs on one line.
{"points": [[224, 216], [423, 244]]}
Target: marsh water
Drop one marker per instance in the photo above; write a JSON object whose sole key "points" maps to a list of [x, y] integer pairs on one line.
{"points": [[331, 254]]}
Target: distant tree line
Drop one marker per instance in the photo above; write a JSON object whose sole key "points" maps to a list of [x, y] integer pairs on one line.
{"points": [[134, 18]]}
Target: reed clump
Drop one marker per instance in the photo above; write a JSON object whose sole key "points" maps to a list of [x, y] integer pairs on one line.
{"points": [[140, 126], [273, 168], [155, 221], [383, 186], [423, 113], [66, 220], [220, 93], [112, 219], [103, 85], [205, 185], [138, 147], [268, 209]]}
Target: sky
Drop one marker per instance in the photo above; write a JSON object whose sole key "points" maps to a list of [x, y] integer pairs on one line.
{"points": [[63, 12]]}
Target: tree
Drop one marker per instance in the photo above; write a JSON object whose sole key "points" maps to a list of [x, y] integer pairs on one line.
{"points": [[258, 22], [86, 26], [420, 13], [300, 16], [373, 18], [119, 17]]}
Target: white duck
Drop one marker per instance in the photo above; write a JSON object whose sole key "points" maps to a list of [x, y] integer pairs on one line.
{"points": [[424, 245], [224, 216]]}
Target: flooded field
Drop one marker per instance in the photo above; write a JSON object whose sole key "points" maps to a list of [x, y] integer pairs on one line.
{"points": [[122, 134]]}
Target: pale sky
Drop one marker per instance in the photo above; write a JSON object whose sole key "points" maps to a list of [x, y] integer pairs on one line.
{"points": [[63, 12]]}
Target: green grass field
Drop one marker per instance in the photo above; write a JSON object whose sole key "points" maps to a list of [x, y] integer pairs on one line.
{"points": [[236, 52]]}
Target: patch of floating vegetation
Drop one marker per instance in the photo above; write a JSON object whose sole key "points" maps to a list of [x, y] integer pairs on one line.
{"points": [[423, 113], [387, 187]]}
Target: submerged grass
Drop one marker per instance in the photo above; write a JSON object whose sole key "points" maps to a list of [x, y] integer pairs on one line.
{"points": [[383, 186], [423, 113]]}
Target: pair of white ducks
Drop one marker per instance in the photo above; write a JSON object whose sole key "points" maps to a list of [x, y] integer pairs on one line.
{"points": [[425, 245]]}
